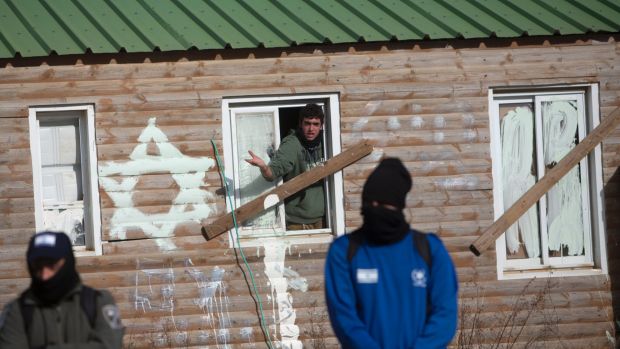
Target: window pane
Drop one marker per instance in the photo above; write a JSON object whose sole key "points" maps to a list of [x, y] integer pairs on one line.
{"points": [[519, 175], [564, 200], [63, 208], [256, 132]]}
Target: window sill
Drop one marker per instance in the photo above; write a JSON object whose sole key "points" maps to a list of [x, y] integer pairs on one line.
{"points": [[529, 274], [309, 237]]}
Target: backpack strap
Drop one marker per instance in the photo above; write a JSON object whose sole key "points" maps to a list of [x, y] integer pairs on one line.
{"points": [[421, 244], [88, 303]]}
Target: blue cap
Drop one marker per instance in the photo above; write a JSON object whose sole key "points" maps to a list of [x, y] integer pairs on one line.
{"points": [[49, 244]]}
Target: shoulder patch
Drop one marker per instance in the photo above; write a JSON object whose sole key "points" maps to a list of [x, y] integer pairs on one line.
{"points": [[112, 316]]}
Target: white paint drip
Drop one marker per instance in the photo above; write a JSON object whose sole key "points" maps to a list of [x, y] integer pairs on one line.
{"points": [[189, 205], [246, 334], [360, 124], [275, 252], [517, 156], [439, 122], [270, 200], [564, 213], [417, 122], [393, 123]]}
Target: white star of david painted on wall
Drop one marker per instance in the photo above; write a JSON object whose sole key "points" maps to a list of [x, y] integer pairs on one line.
{"points": [[188, 172]]}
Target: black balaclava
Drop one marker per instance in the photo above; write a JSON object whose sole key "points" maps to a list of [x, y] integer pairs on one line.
{"points": [[387, 184], [52, 246]]}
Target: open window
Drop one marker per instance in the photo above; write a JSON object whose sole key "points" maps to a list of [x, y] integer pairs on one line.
{"points": [[259, 124], [531, 131], [64, 168]]}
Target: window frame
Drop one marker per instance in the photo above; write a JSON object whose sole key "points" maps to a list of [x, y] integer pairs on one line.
{"points": [[88, 158], [596, 262], [335, 186]]}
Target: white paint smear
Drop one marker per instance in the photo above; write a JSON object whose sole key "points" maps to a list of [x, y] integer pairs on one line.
{"points": [[564, 212], [371, 107], [376, 154], [517, 156], [439, 122], [393, 123], [360, 124], [275, 252], [438, 137], [270, 200], [468, 119], [417, 122]]}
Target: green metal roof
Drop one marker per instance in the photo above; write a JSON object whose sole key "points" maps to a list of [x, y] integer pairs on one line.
{"points": [[39, 27]]}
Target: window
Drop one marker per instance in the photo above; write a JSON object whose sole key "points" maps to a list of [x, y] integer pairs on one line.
{"points": [[531, 131], [64, 168], [259, 124]]}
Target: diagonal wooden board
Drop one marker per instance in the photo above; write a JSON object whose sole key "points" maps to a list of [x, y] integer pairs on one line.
{"points": [[273, 197], [607, 125]]}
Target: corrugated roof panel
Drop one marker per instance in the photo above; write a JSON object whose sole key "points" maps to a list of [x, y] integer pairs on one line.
{"points": [[293, 26], [113, 26], [138, 16], [77, 22], [190, 30], [38, 27]]}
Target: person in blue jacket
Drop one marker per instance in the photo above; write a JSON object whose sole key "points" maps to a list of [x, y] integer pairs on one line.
{"points": [[386, 295]]}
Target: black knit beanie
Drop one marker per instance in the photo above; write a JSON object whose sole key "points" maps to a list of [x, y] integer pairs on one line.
{"points": [[388, 184]]}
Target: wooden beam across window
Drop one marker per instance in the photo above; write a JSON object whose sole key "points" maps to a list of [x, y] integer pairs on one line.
{"points": [[510, 216], [278, 194]]}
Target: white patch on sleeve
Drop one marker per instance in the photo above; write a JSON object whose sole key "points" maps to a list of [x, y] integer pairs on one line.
{"points": [[45, 240], [112, 316], [367, 276], [270, 200]]}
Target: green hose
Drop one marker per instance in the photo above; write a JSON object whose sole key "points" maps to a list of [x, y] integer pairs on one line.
{"points": [[245, 261]]}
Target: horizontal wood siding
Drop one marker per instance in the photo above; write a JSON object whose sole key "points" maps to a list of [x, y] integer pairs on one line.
{"points": [[427, 106]]}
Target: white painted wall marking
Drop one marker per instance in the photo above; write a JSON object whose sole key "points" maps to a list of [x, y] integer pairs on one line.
{"points": [[191, 203]]}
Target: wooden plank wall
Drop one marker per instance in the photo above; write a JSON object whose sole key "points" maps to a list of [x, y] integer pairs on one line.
{"points": [[426, 106]]}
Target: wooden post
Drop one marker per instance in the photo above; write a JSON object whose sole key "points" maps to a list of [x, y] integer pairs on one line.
{"points": [[539, 189], [276, 195]]}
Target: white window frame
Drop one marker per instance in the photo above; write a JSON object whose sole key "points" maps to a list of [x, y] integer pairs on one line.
{"points": [[90, 183], [594, 262], [335, 190]]}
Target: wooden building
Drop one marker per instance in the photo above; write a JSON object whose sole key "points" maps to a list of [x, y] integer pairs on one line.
{"points": [[113, 115]]}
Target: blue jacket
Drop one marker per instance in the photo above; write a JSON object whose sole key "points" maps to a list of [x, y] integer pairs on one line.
{"points": [[378, 299]]}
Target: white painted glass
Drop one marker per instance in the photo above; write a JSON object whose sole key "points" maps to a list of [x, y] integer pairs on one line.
{"points": [[61, 177], [256, 131], [519, 174]]}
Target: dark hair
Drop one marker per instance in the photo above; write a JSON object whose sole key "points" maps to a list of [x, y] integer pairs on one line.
{"points": [[310, 111]]}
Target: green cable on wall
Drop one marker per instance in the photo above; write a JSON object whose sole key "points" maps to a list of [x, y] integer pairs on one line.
{"points": [[245, 261]]}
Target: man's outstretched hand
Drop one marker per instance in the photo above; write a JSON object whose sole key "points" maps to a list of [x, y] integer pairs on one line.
{"points": [[255, 160], [265, 170]]}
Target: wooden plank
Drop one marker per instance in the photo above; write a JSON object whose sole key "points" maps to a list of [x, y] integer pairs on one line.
{"points": [[287, 189], [607, 125]]}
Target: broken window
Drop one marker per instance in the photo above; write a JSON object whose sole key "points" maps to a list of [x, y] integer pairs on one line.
{"points": [[63, 159], [532, 132]]}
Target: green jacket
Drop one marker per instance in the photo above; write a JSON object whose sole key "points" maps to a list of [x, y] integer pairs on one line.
{"points": [[292, 159], [64, 326]]}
